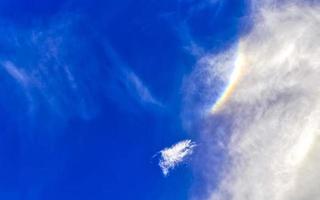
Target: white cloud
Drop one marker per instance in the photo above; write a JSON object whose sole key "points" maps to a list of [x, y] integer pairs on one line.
{"points": [[16, 73], [272, 115], [137, 87], [134, 85], [43, 61], [174, 155]]}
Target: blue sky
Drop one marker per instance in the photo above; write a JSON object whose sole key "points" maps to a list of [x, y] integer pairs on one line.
{"points": [[92, 90]]}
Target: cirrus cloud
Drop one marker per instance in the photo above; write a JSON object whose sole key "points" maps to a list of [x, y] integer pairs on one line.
{"points": [[174, 155]]}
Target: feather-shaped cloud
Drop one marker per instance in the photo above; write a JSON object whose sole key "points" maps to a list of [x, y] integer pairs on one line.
{"points": [[174, 155]]}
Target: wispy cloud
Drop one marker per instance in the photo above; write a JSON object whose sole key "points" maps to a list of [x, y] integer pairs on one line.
{"points": [[16, 73], [35, 56], [139, 89], [174, 155], [269, 122], [134, 85]]}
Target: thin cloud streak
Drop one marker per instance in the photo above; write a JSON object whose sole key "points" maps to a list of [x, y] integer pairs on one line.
{"points": [[140, 89], [16, 73], [134, 85]]}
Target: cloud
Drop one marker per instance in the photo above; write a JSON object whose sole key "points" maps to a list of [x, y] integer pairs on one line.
{"points": [[137, 87], [45, 62], [174, 155], [268, 125], [134, 86], [16, 73], [54, 73]]}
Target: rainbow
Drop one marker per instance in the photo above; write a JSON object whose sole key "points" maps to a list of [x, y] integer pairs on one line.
{"points": [[232, 83]]}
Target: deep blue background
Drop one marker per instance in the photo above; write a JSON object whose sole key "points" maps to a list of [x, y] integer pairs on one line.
{"points": [[98, 141]]}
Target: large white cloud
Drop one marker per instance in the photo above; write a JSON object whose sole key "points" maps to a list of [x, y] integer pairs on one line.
{"points": [[270, 110]]}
